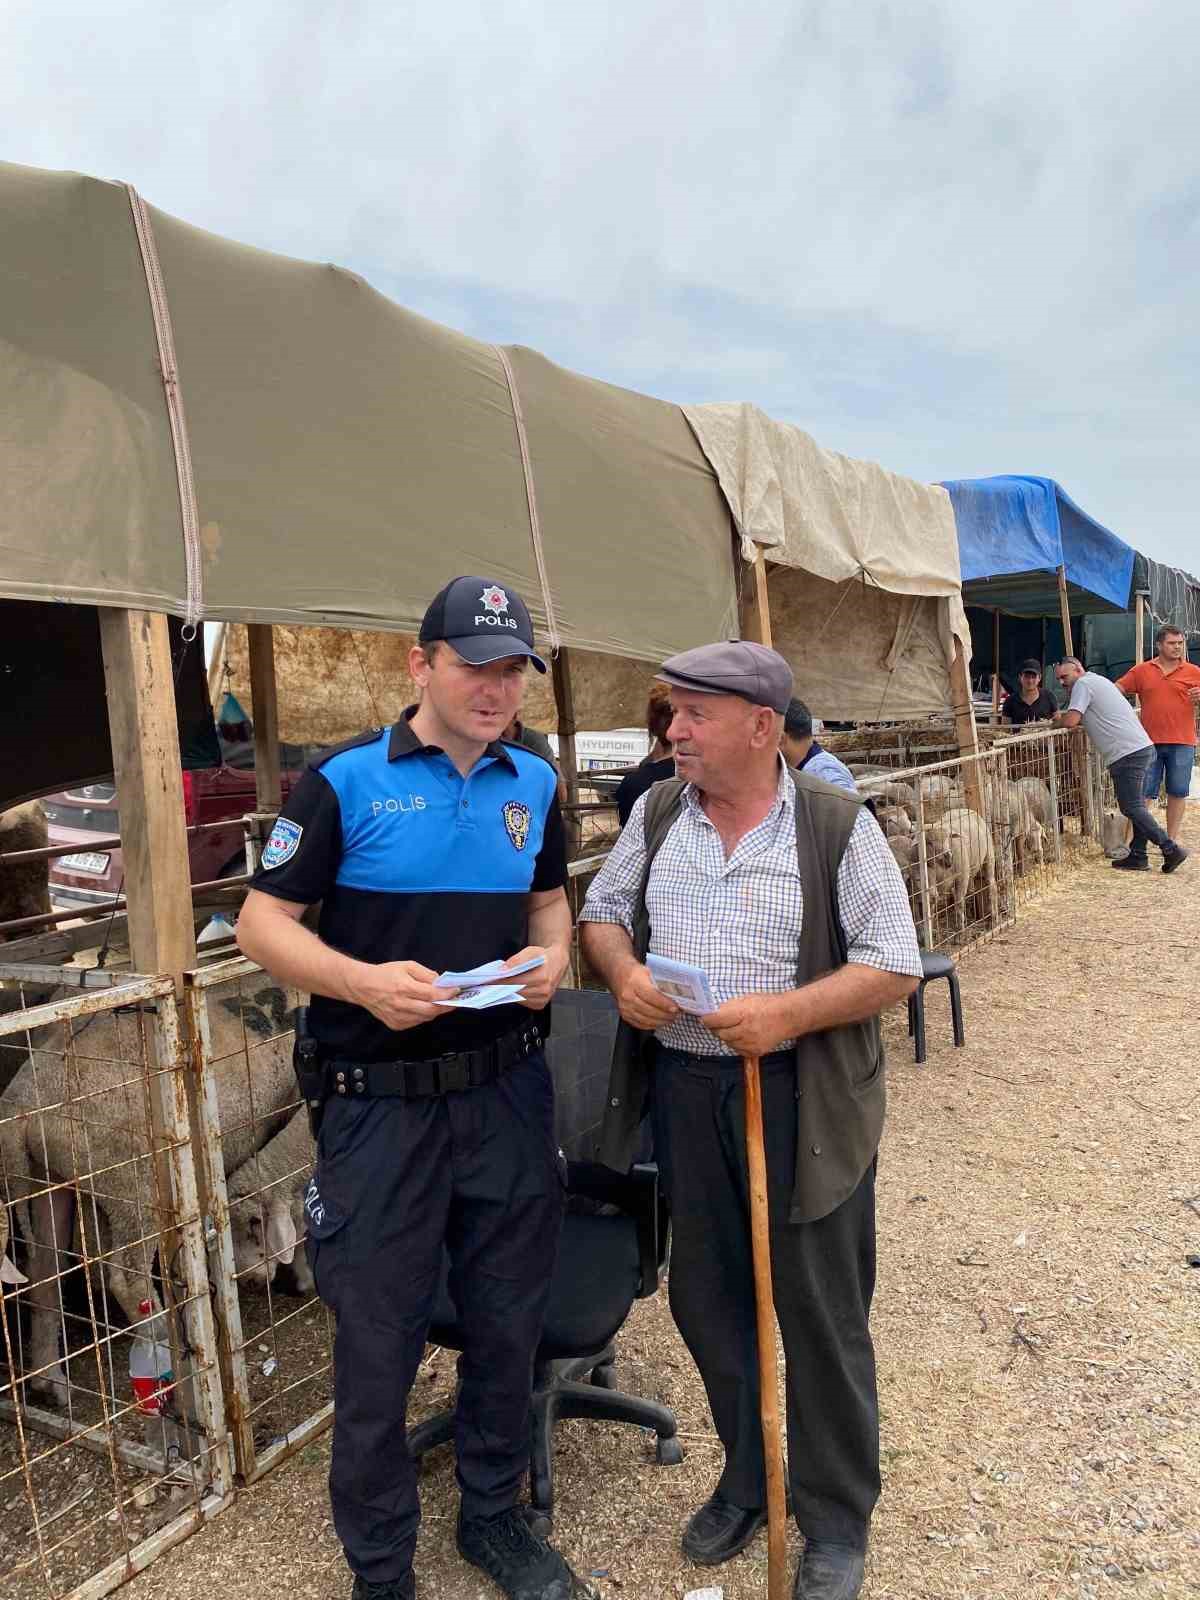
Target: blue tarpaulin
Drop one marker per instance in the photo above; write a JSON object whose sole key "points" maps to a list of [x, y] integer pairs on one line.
{"points": [[1013, 535]]}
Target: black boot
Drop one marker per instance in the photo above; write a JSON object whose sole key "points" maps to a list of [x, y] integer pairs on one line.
{"points": [[396, 1589], [522, 1565], [719, 1530], [1132, 863], [1174, 857], [829, 1571]]}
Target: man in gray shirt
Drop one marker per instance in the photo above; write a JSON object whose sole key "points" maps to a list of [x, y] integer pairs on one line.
{"points": [[1112, 725]]}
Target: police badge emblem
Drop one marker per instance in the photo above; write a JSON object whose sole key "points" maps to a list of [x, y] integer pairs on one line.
{"points": [[516, 820], [283, 843]]}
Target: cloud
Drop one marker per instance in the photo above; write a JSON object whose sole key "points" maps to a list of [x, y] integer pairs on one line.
{"points": [[958, 237]]}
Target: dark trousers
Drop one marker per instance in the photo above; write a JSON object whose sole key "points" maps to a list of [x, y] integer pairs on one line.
{"points": [[824, 1276], [1129, 781], [400, 1182]]}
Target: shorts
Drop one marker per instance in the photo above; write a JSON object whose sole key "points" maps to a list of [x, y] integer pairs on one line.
{"points": [[1174, 761]]}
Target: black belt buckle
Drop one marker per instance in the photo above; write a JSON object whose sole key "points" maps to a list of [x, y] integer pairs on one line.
{"points": [[454, 1072]]}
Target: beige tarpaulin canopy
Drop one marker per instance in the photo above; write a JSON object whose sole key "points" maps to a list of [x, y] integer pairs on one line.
{"points": [[193, 426], [347, 456], [867, 559]]}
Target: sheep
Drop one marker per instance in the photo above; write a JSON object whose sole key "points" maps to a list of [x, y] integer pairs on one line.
{"points": [[24, 888], [106, 1134], [895, 822], [1021, 830], [280, 1171], [959, 848], [8, 1273], [939, 794], [1040, 803]]}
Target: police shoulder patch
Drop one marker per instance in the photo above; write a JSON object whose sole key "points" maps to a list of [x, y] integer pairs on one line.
{"points": [[283, 843], [517, 817]]}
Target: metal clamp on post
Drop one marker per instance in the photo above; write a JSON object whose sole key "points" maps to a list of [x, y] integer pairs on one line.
{"points": [[310, 1074]]}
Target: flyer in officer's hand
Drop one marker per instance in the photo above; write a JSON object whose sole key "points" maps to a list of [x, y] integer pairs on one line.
{"points": [[492, 994], [486, 973], [687, 986]]}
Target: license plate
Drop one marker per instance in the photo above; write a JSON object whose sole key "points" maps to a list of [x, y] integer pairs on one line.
{"points": [[86, 861]]}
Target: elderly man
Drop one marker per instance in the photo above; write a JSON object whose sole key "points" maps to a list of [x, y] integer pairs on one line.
{"points": [[784, 891], [804, 752], [1125, 747]]}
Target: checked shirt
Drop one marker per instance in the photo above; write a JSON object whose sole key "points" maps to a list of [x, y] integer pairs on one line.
{"points": [[739, 919]]}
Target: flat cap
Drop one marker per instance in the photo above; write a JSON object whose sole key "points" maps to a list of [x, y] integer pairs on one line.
{"points": [[736, 666]]}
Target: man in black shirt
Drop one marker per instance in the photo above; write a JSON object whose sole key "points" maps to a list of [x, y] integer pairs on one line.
{"points": [[431, 846], [1031, 703], [659, 762]]}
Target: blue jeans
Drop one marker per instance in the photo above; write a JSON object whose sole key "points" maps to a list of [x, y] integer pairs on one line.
{"points": [[1129, 776], [1174, 762]]}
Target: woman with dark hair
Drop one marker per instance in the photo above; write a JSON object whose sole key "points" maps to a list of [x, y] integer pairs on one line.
{"points": [[659, 762], [1031, 703]]}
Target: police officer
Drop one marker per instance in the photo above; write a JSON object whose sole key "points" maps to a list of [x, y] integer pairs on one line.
{"points": [[431, 846]]}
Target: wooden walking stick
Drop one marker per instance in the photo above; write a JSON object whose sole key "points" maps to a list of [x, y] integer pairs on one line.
{"points": [[764, 1300]]}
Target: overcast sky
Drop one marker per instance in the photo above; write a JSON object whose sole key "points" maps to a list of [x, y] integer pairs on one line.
{"points": [[958, 237]]}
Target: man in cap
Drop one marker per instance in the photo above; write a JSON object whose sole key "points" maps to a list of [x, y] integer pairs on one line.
{"points": [[783, 890], [430, 846], [1031, 702]]}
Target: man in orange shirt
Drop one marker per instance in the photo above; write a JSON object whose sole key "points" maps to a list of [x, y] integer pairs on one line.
{"points": [[1168, 686]]}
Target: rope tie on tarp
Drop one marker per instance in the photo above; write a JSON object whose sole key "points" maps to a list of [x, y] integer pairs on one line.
{"points": [[535, 526], [168, 367]]}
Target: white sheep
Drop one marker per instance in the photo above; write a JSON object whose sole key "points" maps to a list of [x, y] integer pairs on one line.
{"points": [[94, 1143], [266, 1205], [959, 849]]}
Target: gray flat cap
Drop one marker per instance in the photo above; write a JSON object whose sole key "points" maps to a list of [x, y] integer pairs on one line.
{"points": [[738, 667]]}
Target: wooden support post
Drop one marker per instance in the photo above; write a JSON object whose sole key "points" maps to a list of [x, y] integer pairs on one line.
{"points": [[564, 700], [764, 1302], [1064, 607], [1139, 644], [265, 706], [995, 664], [145, 745], [965, 730], [754, 602]]}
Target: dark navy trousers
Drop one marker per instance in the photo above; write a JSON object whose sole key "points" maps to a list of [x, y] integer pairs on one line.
{"points": [[398, 1183], [823, 1275]]}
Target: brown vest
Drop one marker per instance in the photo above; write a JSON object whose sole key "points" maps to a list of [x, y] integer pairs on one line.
{"points": [[840, 1094]]}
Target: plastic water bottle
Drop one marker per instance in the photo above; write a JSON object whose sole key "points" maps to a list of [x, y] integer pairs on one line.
{"points": [[216, 928], [149, 1365]]}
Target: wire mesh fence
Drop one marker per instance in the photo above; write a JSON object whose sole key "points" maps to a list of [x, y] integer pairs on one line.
{"points": [[978, 837], [113, 1444], [254, 1154]]}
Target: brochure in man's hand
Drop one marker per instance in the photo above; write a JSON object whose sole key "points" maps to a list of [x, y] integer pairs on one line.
{"points": [[687, 986], [488, 973]]}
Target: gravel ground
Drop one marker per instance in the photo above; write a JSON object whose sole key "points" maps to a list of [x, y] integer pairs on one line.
{"points": [[1037, 1326]]}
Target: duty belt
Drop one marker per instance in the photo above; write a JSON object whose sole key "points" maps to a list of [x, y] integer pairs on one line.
{"points": [[448, 1074]]}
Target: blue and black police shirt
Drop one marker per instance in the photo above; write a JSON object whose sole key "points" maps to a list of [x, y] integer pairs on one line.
{"points": [[413, 862]]}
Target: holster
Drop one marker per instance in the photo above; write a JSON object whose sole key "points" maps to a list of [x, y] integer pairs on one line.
{"points": [[309, 1070]]}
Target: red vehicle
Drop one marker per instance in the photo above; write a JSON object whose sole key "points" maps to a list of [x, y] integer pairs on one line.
{"points": [[93, 874]]}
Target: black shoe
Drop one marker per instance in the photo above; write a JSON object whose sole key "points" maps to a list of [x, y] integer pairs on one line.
{"points": [[829, 1572], [1175, 857], [396, 1589], [524, 1566], [719, 1530], [1131, 863]]}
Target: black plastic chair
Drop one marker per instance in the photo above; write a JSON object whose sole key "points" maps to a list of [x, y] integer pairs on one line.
{"points": [[613, 1250], [935, 966]]}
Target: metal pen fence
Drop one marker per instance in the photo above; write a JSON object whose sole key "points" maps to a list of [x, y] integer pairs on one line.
{"points": [[255, 1154], [977, 837], [99, 1206]]}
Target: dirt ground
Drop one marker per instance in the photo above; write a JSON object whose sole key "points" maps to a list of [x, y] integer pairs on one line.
{"points": [[1037, 1324]]}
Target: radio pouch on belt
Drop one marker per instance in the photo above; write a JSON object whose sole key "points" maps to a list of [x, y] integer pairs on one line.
{"points": [[310, 1075]]}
